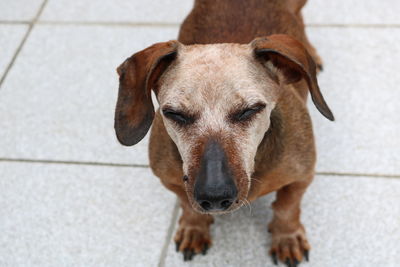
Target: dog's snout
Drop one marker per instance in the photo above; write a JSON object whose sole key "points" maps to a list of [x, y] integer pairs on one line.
{"points": [[214, 189]]}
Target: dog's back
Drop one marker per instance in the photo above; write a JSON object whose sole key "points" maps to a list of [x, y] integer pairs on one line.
{"points": [[238, 21]]}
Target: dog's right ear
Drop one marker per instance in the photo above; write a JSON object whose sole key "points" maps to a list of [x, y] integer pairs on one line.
{"points": [[137, 76], [292, 59]]}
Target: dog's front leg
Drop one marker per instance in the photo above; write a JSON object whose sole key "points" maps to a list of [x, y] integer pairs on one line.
{"points": [[289, 241], [193, 235]]}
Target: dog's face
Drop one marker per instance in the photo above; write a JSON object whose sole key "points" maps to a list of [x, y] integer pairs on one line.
{"points": [[215, 101], [218, 94]]}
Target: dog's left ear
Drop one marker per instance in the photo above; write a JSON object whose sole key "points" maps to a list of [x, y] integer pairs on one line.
{"points": [[291, 58], [138, 74]]}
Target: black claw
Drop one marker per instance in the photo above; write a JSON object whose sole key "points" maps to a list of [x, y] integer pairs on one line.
{"points": [[320, 67], [205, 248], [185, 254], [288, 263], [177, 245], [188, 254], [306, 255], [274, 258], [295, 263], [191, 254]]}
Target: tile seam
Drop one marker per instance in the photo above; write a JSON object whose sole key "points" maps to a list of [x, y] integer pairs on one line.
{"points": [[111, 23], [176, 24], [67, 162], [110, 164], [367, 175], [13, 22], [22, 43]]}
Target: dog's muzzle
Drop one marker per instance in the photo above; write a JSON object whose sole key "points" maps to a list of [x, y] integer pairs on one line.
{"points": [[214, 189]]}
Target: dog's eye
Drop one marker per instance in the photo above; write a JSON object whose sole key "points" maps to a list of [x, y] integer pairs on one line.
{"points": [[178, 117], [247, 113]]}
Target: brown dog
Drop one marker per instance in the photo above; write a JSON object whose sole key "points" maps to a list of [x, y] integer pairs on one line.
{"points": [[233, 123]]}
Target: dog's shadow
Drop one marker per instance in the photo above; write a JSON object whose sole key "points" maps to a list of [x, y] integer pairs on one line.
{"points": [[239, 235]]}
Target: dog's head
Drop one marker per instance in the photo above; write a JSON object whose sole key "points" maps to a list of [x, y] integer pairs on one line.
{"points": [[215, 102]]}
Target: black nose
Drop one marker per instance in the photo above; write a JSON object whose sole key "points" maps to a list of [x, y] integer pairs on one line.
{"points": [[218, 204], [214, 188]]}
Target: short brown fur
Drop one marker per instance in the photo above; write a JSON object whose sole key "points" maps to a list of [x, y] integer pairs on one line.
{"points": [[285, 158]]}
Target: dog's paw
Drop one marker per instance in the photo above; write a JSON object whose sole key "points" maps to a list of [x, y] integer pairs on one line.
{"points": [[192, 240], [290, 248]]}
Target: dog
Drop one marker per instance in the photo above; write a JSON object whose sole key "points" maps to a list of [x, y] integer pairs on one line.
{"points": [[232, 123]]}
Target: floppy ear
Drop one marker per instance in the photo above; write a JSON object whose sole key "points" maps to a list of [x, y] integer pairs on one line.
{"points": [[137, 76], [292, 59]]}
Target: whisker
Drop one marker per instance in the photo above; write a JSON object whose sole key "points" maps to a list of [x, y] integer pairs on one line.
{"points": [[257, 180], [246, 203], [242, 202], [249, 205]]}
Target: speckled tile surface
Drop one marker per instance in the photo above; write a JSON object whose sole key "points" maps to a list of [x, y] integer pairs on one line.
{"points": [[66, 215], [156, 11], [19, 10], [359, 84], [351, 12]]}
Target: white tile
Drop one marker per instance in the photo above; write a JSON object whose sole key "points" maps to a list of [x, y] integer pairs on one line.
{"points": [[19, 10], [170, 11], [64, 215], [10, 38], [360, 83], [352, 12], [59, 97], [349, 221]]}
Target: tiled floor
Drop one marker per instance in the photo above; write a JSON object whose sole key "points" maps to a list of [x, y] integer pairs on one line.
{"points": [[72, 196]]}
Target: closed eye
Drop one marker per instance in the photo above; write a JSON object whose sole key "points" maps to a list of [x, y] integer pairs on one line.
{"points": [[178, 116], [247, 113]]}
